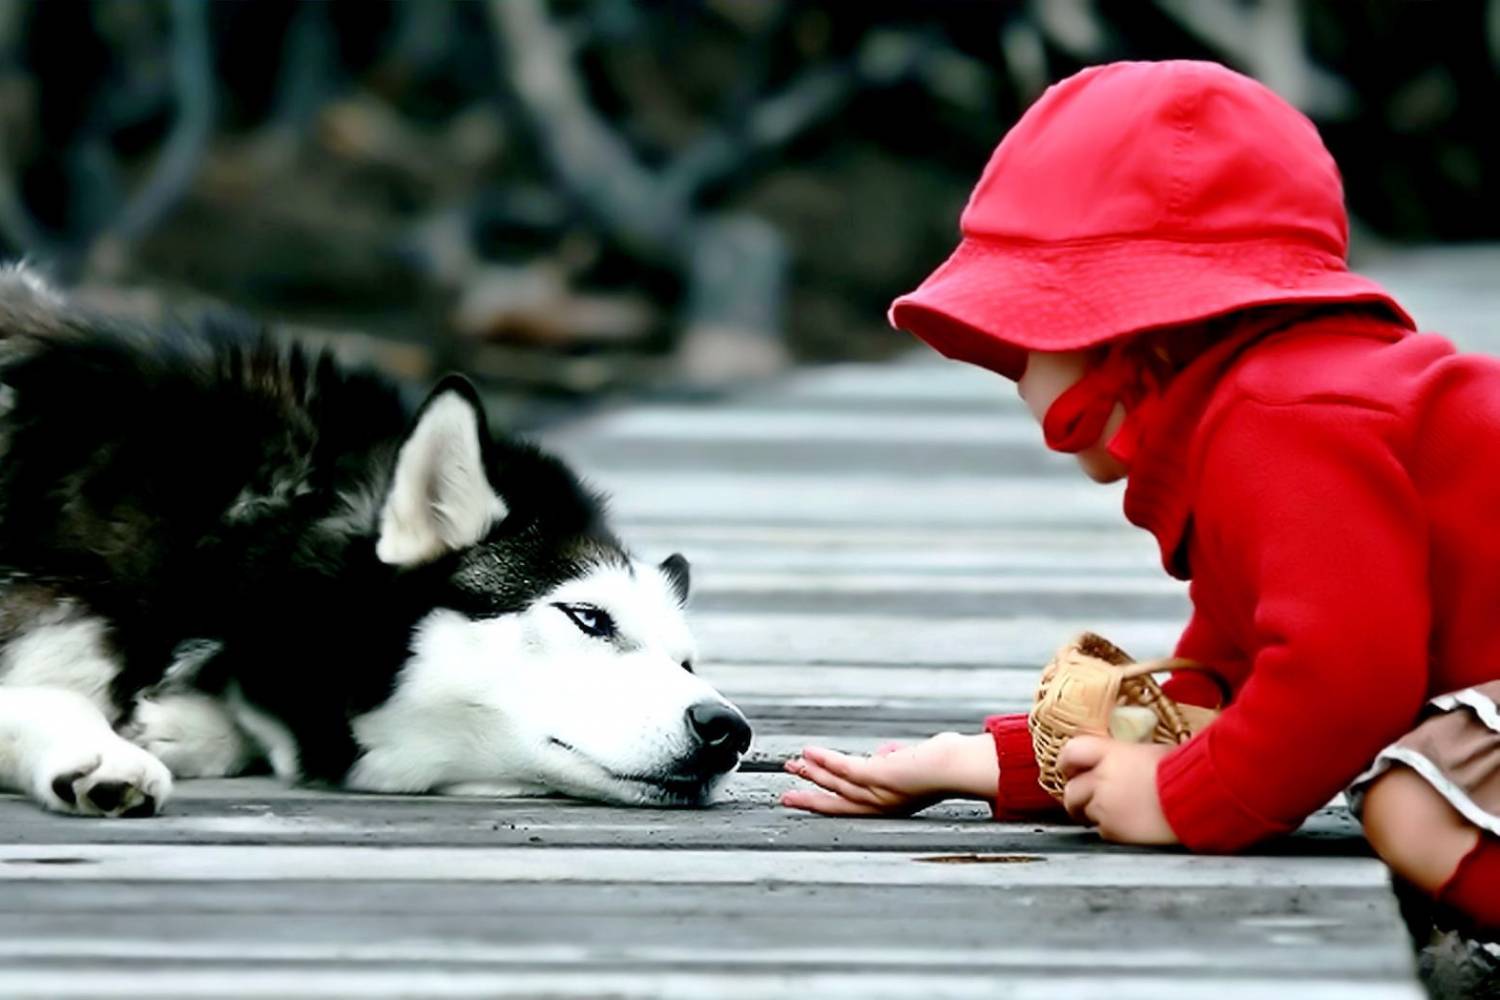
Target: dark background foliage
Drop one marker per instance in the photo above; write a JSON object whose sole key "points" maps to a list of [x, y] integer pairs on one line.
{"points": [[583, 196]]}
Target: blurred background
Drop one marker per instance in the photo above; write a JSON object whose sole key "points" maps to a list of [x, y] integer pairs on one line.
{"points": [[582, 200]]}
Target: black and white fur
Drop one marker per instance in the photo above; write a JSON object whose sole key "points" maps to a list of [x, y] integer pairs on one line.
{"points": [[219, 553]]}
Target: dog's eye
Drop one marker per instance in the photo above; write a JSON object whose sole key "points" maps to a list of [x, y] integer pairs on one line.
{"points": [[687, 665], [589, 619]]}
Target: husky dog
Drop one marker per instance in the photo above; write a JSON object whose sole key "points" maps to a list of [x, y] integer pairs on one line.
{"points": [[219, 552]]}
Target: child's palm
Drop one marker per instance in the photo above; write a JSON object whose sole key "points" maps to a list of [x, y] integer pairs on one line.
{"points": [[896, 781]]}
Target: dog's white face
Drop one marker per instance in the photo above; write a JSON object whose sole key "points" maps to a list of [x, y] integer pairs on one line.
{"points": [[589, 692]]}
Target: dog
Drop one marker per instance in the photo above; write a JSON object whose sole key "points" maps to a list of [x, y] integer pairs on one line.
{"points": [[220, 552]]}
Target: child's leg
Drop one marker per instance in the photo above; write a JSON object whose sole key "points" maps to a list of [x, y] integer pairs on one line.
{"points": [[1429, 844]]}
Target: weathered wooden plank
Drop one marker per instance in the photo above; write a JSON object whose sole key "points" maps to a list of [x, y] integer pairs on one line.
{"points": [[726, 583], [937, 603], [1255, 915], [919, 379], [344, 863], [796, 931], [729, 983], [262, 811], [726, 425], [868, 499], [773, 920], [998, 543], [904, 639], [603, 457], [974, 686], [523, 932], [655, 925], [916, 549], [935, 556]]}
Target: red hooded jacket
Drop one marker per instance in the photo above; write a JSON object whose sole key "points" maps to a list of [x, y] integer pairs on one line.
{"points": [[1329, 486], [1330, 489]]}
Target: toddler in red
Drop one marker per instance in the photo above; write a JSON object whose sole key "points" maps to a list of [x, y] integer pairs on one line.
{"points": [[1156, 255]]}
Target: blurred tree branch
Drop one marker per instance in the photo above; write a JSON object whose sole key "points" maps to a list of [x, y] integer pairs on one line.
{"points": [[668, 184], [116, 224], [594, 164], [734, 266], [1266, 38], [181, 158]]}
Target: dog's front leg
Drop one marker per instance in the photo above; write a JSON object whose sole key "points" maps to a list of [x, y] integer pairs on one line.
{"points": [[57, 747], [194, 734], [493, 789]]}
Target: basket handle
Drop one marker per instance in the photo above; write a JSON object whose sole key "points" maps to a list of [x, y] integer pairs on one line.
{"points": [[1145, 667], [1148, 667]]}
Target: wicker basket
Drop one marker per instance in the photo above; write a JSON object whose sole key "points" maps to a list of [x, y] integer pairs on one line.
{"points": [[1083, 686]]}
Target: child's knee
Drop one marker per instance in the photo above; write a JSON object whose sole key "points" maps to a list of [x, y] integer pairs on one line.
{"points": [[1414, 829]]}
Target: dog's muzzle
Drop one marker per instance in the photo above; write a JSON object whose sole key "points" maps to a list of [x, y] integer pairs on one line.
{"points": [[723, 735]]}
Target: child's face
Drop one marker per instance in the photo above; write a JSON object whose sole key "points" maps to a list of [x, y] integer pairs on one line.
{"points": [[1046, 377]]}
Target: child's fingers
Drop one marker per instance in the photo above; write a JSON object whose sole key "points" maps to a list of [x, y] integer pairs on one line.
{"points": [[1081, 753], [811, 770], [1078, 794], [850, 768], [825, 803]]}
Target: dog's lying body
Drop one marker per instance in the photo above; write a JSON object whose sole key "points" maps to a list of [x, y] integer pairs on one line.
{"points": [[218, 552]]}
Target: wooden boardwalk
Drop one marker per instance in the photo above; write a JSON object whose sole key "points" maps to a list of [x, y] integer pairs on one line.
{"points": [[881, 552]]}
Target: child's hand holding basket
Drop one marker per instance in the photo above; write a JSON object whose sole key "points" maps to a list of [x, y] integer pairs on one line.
{"points": [[1092, 688]]}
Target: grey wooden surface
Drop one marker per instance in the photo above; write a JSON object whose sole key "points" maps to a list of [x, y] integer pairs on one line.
{"points": [[881, 552]]}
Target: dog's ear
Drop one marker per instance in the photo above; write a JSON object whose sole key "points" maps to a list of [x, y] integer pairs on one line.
{"points": [[440, 498], [675, 569]]}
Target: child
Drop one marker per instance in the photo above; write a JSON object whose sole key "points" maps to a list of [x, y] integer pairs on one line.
{"points": [[1155, 254]]}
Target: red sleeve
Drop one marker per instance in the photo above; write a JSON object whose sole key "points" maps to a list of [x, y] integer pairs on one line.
{"points": [[1019, 796], [1307, 517]]}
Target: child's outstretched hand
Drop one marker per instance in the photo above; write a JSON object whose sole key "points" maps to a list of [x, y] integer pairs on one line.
{"points": [[896, 780], [1113, 785]]}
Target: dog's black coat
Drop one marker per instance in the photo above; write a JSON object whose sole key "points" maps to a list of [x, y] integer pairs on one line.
{"points": [[209, 482]]}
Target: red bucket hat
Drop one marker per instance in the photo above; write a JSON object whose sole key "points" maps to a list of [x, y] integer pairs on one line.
{"points": [[1133, 196]]}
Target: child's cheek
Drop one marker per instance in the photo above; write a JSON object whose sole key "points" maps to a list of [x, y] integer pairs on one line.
{"points": [[1047, 377]]}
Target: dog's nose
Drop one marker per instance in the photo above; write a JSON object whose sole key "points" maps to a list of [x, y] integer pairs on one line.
{"points": [[721, 728]]}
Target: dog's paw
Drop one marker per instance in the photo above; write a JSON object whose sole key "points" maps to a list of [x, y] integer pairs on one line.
{"points": [[116, 779]]}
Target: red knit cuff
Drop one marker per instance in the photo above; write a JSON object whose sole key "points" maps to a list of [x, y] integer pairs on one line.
{"points": [[1019, 796], [1471, 888], [1202, 812]]}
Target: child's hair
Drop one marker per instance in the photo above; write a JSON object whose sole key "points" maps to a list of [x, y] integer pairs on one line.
{"points": [[1134, 371], [1159, 354]]}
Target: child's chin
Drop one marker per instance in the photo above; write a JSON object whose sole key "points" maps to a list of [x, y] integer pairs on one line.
{"points": [[1102, 467]]}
